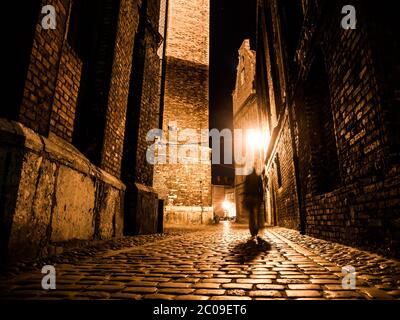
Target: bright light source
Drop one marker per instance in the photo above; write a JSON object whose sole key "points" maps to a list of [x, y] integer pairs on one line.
{"points": [[226, 205], [255, 139]]}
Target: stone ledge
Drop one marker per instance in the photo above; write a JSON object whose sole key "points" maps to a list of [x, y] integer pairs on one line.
{"points": [[54, 148]]}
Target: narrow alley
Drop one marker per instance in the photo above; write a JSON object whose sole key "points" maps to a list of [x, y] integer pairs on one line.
{"points": [[145, 143]]}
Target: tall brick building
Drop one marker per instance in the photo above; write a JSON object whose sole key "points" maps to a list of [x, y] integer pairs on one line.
{"points": [[246, 116], [184, 181], [332, 99], [82, 97]]}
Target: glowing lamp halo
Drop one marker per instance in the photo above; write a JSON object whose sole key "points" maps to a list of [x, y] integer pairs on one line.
{"points": [[255, 139], [226, 205]]}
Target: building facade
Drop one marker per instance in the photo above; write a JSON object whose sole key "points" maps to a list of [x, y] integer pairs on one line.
{"points": [[246, 116], [183, 180], [84, 91], [332, 98]]}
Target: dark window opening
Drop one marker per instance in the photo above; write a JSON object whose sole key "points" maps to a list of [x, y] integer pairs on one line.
{"points": [[19, 49], [291, 23], [92, 34], [278, 170], [324, 157], [385, 28], [272, 40]]}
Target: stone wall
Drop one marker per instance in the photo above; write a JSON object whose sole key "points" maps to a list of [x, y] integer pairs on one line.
{"points": [[51, 193]]}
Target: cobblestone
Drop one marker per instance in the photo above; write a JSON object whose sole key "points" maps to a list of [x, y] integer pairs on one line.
{"points": [[218, 263], [342, 295], [303, 293], [266, 293], [210, 292]]}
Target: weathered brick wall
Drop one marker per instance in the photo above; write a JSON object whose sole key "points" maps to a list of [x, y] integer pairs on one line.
{"points": [[282, 180], [141, 206], [53, 80], [355, 103], [382, 31], [40, 85], [54, 193], [111, 158], [186, 94], [188, 30], [186, 103], [150, 103], [190, 186], [186, 187], [363, 211], [353, 199], [66, 95]]}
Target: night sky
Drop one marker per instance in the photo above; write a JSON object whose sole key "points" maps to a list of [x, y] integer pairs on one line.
{"points": [[231, 22]]}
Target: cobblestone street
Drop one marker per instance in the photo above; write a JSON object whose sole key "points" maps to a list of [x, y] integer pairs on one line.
{"points": [[217, 263]]}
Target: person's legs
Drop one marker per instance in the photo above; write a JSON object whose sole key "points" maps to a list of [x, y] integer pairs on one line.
{"points": [[260, 218], [256, 221], [252, 221]]}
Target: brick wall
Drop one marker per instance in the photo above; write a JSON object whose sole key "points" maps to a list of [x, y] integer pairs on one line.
{"points": [[282, 180], [337, 174], [75, 97], [186, 103], [66, 95], [149, 118], [53, 80], [186, 187], [362, 211], [382, 30], [144, 99], [141, 206], [111, 157], [188, 30], [40, 84]]}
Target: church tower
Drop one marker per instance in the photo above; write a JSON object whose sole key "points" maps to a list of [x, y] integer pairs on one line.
{"points": [[186, 186]]}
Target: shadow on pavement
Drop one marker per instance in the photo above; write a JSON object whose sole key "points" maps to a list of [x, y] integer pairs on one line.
{"points": [[250, 250]]}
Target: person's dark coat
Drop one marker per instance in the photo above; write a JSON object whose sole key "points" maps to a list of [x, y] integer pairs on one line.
{"points": [[253, 191]]}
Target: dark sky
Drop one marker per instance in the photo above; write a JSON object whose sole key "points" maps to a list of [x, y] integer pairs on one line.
{"points": [[232, 21]]}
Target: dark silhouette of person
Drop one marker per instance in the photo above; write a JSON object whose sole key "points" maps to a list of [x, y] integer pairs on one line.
{"points": [[253, 199]]}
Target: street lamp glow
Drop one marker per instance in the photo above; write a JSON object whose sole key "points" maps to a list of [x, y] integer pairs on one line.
{"points": [[226, 205], [255, 140]]}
